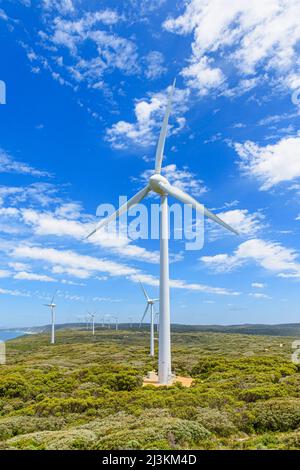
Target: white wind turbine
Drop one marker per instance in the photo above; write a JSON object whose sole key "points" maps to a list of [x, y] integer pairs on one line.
{"points": [[150, 303], [160, 185], [92, 317], [52, 307], [116, 322]]}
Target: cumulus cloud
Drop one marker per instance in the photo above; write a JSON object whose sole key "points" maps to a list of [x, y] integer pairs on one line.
{"points": [[149, 114], [203, 76], [271, 256], [251, 37], [242, 220], [271, 164]]}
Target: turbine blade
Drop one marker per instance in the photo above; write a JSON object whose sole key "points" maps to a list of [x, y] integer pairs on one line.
{"points": [[163, 133], [144, 290], [187, 199], [53, 297], [144, 315], [132, 202]]}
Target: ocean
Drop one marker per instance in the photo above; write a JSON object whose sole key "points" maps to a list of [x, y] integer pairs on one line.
{"points": [[6, 334]]}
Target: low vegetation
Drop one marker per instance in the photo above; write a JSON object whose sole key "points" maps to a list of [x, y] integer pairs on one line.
{"points": [[87, 393]]}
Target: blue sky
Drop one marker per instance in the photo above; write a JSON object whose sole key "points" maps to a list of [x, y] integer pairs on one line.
{"points": [[87, 83]]}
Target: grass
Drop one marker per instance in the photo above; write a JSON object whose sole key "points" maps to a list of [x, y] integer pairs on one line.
{"points": [[86, 392]]}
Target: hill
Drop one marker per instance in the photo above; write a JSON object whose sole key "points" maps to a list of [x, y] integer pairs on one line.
{"points": [[284, 329], [86, 392]]}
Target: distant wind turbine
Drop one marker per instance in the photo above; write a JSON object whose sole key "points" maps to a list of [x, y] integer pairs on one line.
{"points": [[116, 320], [161, 186], [92, 317], [130, 321], [150, 303], [52, 307]]}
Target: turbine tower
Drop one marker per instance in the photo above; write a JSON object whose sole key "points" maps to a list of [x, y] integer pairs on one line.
{"points": [[52, 308], [150, 303], [116, 320], [161, 186], [92, 317]]}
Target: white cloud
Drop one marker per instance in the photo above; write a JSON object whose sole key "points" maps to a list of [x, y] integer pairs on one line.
{"points": [[253, 37], [258, 285], [149, 114], [42, 194], [14, 293], [84, 267], [180, 284], [258, 295], [26, 276], [62, 6], [271, 256], [154, 65], [271, 164], [9, 165], [240, 219], [49, 224], [203, 76], [69, 38], [72, 260]]}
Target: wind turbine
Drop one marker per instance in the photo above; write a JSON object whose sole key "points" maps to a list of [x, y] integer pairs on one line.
{"points": [[92, 317], [150, 303], [161, 186], [116, 320], [130, 321], [52, 308]]}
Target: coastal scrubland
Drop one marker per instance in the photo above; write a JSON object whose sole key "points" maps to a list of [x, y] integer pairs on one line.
{"points": [[87, 392]]}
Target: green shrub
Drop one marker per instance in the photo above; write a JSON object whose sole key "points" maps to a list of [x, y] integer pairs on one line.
{"points": [[187, 432], [276, 415], [216, 421], [262, 393]]}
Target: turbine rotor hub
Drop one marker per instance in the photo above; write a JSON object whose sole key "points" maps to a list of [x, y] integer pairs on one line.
{"points": [[154, 183]]}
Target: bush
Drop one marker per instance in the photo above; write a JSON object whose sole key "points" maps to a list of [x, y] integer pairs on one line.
{"points": [[13, 385], [276, 415], [262, 393], [187, 432], [12, 426], [216, 421]]}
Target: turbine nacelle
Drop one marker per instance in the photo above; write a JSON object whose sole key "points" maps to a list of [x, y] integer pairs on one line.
{"points": [[155, 183]]}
